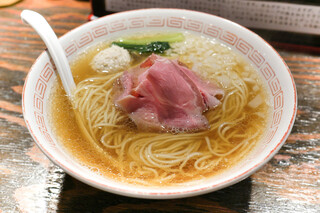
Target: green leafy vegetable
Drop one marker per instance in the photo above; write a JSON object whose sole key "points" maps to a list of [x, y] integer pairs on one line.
{"points": [[163, 37], [153, 47]]}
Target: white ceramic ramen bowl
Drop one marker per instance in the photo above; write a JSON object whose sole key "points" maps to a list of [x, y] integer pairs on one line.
{"points": [[265, 59]]}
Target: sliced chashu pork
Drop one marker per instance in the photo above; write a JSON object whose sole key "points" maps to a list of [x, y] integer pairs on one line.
{"points": [[164, 95]]}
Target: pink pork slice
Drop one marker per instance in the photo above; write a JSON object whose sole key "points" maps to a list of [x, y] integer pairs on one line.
{"points": [[163, 95]]}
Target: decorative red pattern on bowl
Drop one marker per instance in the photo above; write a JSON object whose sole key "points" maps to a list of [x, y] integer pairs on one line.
{"points": [[269, 64]]}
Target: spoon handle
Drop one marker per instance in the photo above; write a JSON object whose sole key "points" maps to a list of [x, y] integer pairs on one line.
{"points": [[41, 26]]}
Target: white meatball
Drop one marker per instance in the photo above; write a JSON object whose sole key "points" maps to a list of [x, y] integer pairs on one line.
{"points": [[111, 60]]}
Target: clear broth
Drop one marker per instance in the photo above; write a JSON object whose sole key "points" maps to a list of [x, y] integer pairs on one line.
{"points": [[64, 124]]}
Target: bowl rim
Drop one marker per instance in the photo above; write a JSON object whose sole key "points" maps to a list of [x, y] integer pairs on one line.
{"points": [[163, 195]]}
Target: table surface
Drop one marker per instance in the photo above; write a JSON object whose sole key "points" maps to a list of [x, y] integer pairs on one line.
{"points": [[29, 182]]}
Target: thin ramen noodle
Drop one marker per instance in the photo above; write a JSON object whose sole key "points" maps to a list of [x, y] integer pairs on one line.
{"points": [[150, 158]]}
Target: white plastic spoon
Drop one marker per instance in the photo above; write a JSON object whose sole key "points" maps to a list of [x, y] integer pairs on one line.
{"points": [[42, 27]]}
